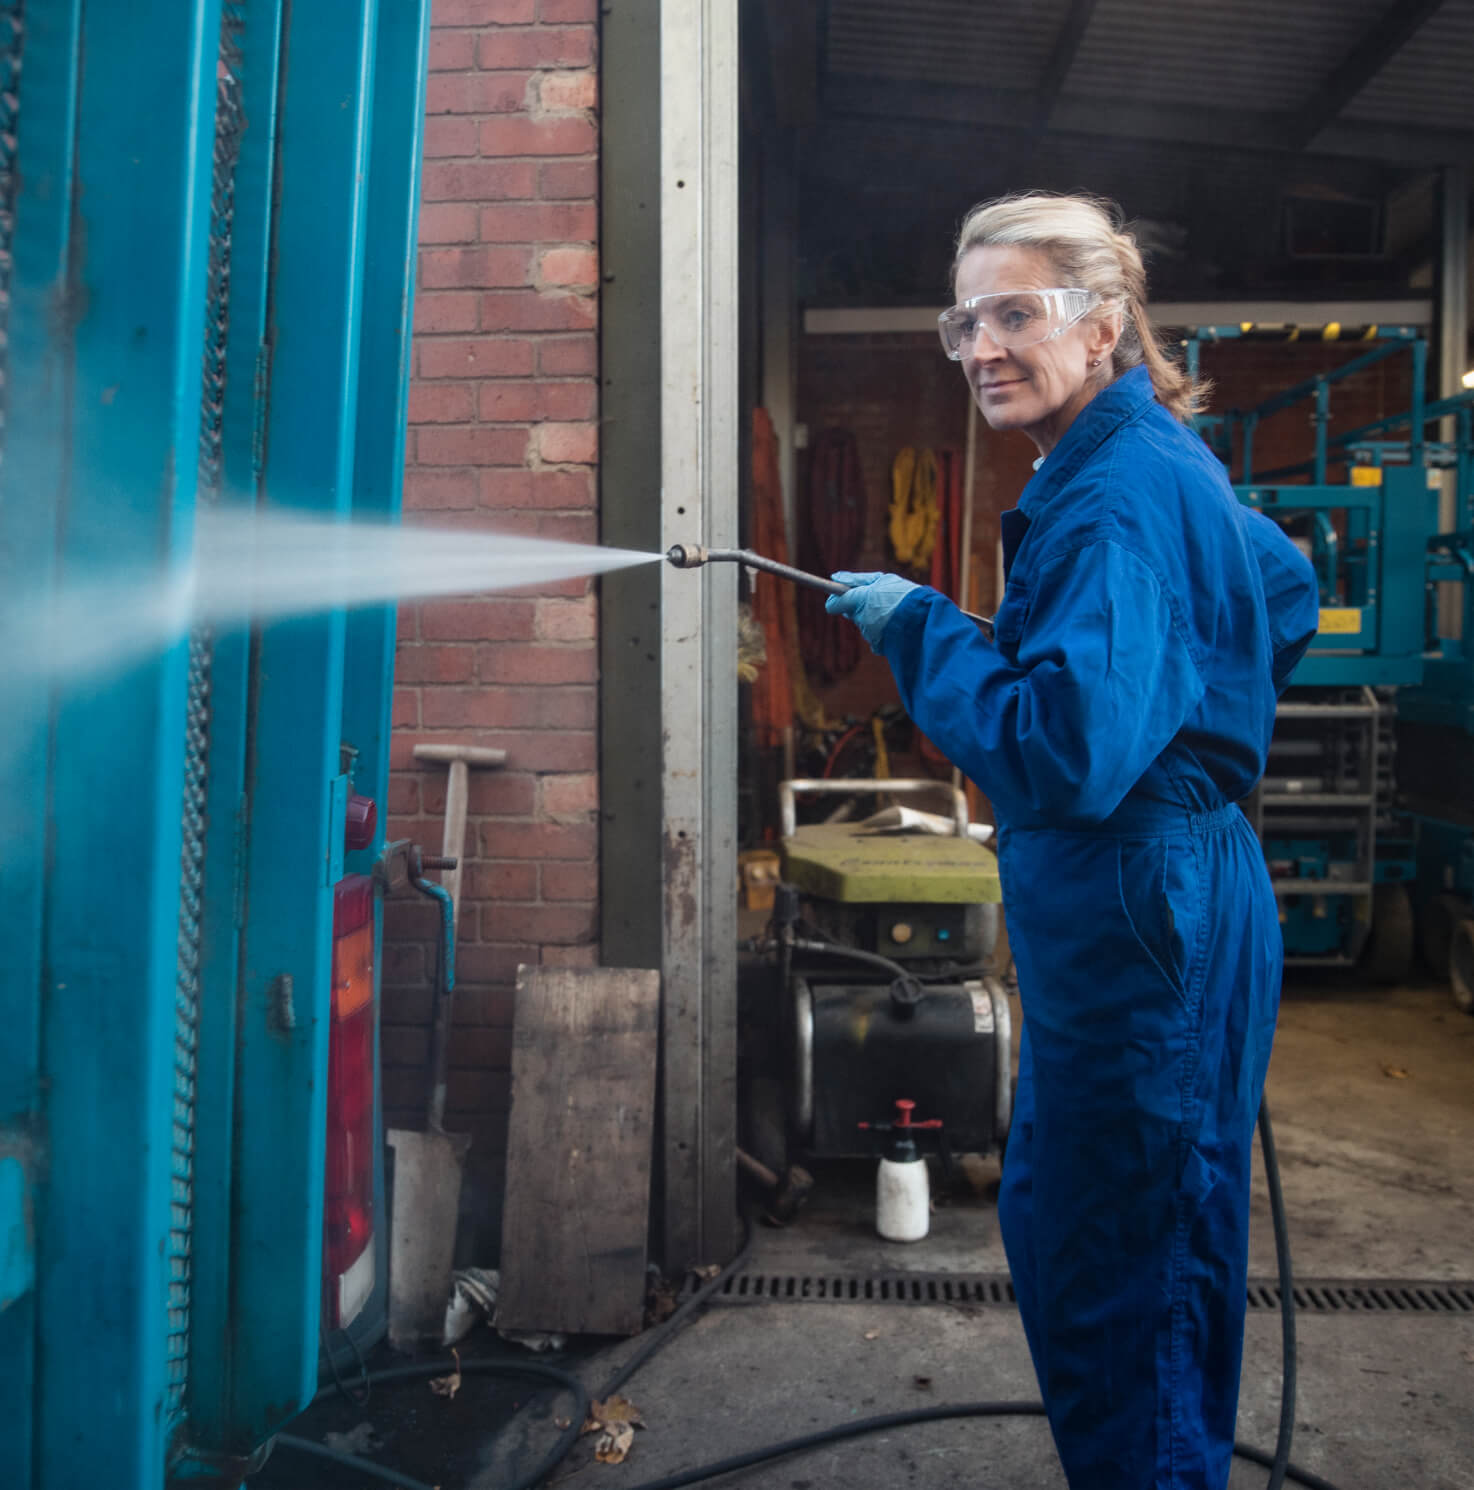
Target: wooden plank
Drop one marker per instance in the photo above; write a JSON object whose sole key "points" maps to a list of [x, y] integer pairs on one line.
{"points": [[579, 1147]]}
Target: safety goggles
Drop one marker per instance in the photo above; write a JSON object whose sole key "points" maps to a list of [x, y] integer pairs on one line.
{"points": [[1012, 318]]}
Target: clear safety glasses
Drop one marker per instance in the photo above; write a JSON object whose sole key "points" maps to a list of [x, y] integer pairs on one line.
{"points": [[1012, 319]]}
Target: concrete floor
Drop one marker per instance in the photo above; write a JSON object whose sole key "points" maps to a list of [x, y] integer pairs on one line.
{"points": [[1378, 1183]]}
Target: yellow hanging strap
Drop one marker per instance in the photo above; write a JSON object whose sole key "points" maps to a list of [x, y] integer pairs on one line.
{"points": [[915, 515], [882, 755]]}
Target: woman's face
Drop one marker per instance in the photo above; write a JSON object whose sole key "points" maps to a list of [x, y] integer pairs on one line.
{"points": [[1041, 388]]}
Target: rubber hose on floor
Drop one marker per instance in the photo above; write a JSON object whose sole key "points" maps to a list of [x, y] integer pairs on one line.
{"points": [[1278, 1463]]}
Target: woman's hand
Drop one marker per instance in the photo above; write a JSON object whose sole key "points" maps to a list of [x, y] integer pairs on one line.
{"points": [[869, 601]]}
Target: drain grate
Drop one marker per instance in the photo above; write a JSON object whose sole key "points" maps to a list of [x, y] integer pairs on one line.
{"points": [[995, 1290]]}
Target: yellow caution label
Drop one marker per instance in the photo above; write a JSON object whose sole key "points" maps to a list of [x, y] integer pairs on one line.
{"points": [[1340, 621], [1366, 475]]}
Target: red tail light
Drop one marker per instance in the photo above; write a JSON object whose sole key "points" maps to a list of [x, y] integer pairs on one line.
{"points": [[348, 1224]]}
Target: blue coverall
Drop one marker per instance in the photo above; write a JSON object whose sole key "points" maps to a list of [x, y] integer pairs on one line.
{"points": [[1125, 706]]}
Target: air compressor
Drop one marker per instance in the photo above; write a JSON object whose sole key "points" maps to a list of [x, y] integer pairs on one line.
{"points": [[871, 986]]}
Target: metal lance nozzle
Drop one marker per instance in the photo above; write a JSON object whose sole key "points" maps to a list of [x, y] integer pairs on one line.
{"points": [[694, 555]]}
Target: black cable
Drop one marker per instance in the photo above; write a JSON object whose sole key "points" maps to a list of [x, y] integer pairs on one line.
{"points": [[360, 1402], [445, 1366], [1280, 1464], [662, 1336]]}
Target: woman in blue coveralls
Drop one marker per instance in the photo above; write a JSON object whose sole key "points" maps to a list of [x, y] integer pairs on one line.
{"points": [[1121, 709]]}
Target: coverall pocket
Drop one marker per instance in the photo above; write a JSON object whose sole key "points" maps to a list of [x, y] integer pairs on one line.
{"points": [[1156, 883]]}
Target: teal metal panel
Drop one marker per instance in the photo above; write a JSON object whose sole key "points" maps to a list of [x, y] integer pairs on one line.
{"points": [[383, 403], [312, 360], [131, 330], [245, 156], [38, 69]]}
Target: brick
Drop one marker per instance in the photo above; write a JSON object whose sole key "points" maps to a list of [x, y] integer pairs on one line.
{"points": [[404, 796], [442, 403], [486, 268], [486, 181], [477, 1092], [558, 924], [558, 750], [482, 619], [491, 793], [485, 1048], [566, 527], [401, 963], [404, 1045], [477, 93], [410, 1006], [541, 46], [449, 135], [515, 135], [566, 620], [439, 311], [564, 356], [438, 491], [406, 708], [448, 222], [568, 444], [504, 489], [540, 841], [575, 267], [567, 91], [422, 664], [531, 662], [570, 882], [483, 357], [502, 707], [531, 310], [544, 222], [497, 962], [524, 403], [586, 955], [502, 882], [483, 1004], [503, 446], [408, 919], [452, 51], [570, 794], [565, 179], [482, 12], [407, 624]]}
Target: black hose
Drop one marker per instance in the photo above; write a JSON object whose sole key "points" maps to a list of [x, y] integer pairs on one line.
{"points": [[1278, 1463], [851, 954], [1279, 1466]]}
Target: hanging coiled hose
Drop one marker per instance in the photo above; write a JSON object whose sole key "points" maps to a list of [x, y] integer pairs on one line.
{"points": [[1278, 1463]]}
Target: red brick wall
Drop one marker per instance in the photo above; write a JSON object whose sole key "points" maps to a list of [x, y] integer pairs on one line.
{"points": [[503, 436]]}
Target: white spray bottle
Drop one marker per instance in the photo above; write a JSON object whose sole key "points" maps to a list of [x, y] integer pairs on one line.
{"points": [[902, 1190]]}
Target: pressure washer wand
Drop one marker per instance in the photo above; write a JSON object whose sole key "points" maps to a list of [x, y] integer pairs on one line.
{"points": [[693, 556]]}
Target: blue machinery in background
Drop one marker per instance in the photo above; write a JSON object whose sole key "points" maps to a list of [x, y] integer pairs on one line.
{"points": [[207, 230], [1353, 848]]}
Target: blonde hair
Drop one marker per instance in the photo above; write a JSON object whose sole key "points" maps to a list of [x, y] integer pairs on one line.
{"points": [[1091, 249]]}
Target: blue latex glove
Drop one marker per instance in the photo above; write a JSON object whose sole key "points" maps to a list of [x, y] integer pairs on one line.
{"points": [[869, 602]]}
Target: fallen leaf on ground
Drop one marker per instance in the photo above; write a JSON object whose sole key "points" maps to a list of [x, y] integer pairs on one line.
{"points": [[923, 1383], [614, 1443], [1469, 1356], [1397, 1073], [872, 1334], [707, 1273], [613, 1410], [448, 1386]]}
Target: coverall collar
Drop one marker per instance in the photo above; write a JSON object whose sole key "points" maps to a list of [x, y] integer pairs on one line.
{"points": [[1124, 400]]}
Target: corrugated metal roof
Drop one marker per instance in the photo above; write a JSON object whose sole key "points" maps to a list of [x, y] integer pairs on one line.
{"points": [[1001, 44], [1261, 56], [1429, 82]]}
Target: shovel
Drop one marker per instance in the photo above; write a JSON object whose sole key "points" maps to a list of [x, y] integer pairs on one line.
{"points": [[428, 1164]]}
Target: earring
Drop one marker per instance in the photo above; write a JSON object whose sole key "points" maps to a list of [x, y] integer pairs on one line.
{"points": [[1096, 362]]}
